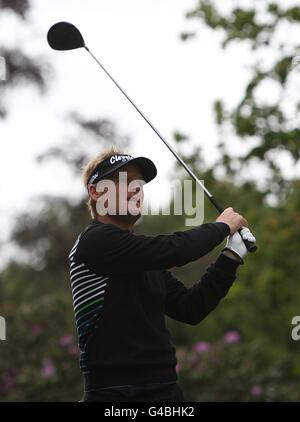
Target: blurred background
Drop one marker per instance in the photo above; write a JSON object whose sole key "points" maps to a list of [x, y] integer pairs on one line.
{"points": [[221, 81]]}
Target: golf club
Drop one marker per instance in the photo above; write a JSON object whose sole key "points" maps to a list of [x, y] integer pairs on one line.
{"points": [[65, 36]]}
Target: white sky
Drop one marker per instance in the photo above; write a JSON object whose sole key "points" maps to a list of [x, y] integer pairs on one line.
{"points": [[174, 83]]}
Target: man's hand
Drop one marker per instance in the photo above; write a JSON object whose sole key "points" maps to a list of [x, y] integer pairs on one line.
{"points": [[234, 220], [236, 245]]}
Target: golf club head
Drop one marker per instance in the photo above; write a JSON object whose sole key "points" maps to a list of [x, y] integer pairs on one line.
{"points": [[64, 36]]}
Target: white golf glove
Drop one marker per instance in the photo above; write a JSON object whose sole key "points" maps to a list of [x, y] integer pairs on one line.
{"points": [[236, 244]]}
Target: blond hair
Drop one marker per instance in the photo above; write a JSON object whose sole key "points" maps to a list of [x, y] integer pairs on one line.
{"points": [[88, 170]]}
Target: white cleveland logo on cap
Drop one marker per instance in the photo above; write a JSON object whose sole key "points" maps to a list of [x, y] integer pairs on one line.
{"points": [[115, 158]]}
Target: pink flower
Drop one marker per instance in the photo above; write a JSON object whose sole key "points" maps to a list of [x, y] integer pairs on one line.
{"points": [[8, 382], [73, 350], [202, 346], [256, 390], [36, 329], [178, 368], [193, 360], [232, 337], [66, 340], [48, 369]]}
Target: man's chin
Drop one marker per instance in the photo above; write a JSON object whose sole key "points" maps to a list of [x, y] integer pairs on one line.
{"points": [[129, 218]]}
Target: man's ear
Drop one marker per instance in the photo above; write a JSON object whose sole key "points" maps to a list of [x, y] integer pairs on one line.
{"points": [[93, 192]]}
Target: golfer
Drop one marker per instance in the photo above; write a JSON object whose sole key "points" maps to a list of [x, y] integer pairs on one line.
{"points": [[122, 287]]}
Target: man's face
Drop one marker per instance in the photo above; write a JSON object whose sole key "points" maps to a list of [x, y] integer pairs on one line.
{"points": [[129, 189], [125, 194]]}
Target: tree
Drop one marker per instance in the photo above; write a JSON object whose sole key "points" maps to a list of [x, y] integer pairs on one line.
{"points": [[270, 120], [21, 68]]}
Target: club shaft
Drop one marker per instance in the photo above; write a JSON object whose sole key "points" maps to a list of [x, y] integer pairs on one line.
{"points": [[251, 247], [190, 172]]}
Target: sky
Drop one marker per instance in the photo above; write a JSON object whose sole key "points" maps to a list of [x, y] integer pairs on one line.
{"points": [[174, 83]]}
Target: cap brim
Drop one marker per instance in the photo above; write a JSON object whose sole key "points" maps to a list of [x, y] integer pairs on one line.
{"points": [[146, 166]]}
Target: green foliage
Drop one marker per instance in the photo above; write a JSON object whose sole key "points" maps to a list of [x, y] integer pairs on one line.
{"points": [[39, 359], [219, 112], [20, 7], [240, 24], [263, 120], [23, 69], [186, 35], [234, 370]]}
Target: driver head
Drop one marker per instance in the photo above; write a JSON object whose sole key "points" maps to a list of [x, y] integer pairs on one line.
{"points": [[64, 36]]}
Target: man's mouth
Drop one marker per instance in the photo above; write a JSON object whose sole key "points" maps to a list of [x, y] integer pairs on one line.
{"points": [[133, 201]]}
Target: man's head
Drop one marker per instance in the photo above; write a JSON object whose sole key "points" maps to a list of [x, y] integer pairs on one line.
{"points": [[114, 181]]}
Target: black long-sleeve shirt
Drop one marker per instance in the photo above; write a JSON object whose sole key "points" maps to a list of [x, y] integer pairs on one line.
{"points": [[122, 290]]}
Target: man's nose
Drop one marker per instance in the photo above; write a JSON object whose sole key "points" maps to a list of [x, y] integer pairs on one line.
{"points": [[138, 189]]}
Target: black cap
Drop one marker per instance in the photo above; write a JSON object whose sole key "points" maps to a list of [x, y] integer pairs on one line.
{"points": [[116, 161]]}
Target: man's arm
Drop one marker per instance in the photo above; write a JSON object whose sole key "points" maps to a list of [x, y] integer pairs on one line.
{"points": [[192, 305], [116, 251]]}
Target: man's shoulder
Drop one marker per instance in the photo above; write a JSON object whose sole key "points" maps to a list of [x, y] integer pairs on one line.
{"points": [[94, 225], [97, 232], [92, 229], [85, 237]]}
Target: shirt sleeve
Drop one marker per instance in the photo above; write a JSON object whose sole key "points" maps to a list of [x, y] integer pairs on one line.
{"points": [[192, 305], [112, 250]]}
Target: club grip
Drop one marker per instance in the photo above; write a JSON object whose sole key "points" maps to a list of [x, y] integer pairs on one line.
{"points": [[251, 246]]}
